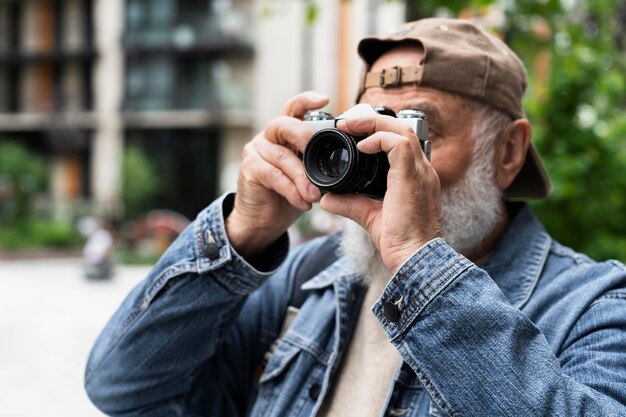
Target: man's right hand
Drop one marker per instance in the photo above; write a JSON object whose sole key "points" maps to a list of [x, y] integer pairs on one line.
{"points": [[272, 189]]}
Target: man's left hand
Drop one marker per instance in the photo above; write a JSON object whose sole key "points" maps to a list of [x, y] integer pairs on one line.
{"points": [[410, 214]]}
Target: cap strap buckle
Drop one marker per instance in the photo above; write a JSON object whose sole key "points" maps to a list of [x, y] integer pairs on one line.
{"points": [[394, 76], [391, 77]]}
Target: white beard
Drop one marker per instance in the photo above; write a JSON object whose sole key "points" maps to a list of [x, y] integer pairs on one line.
{"points": [[357, 244], [470, 210]]}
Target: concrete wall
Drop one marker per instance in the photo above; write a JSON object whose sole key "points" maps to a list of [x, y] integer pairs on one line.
{"points": [[292, 56], [109, 79]]}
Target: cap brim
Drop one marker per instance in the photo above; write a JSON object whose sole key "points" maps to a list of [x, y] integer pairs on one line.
{"points": [[532, 180]]}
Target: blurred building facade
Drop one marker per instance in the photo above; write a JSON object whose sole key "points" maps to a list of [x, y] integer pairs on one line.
{"points": [[187, 82]]}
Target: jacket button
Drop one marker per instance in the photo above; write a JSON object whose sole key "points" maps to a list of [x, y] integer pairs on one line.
{"points": [[314, 391], [391, 311], [211, 250]]}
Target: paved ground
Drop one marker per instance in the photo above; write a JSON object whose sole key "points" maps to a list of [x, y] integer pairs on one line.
{"points": [[49, 318]]}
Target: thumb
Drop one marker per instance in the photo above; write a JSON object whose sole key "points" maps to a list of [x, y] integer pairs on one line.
{"points": [[353, 206]]}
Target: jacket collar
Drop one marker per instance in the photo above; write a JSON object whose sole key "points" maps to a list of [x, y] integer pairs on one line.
{"points": [[519, 257], [340, 270], [515, 264]]}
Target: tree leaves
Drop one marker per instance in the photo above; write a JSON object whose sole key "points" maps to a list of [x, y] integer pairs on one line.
{"points": [[576, 102]]}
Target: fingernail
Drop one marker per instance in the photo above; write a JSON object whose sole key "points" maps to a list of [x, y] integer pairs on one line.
{"points": [[313, 191]]}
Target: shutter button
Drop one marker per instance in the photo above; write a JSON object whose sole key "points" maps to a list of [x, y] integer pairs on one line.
{"points": [[314, 391], [211, 250], [391, 311]]}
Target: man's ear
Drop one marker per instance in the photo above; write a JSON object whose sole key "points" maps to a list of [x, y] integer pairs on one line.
{"points": [[511, 152]]}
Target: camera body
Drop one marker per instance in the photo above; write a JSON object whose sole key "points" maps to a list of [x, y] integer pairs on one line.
{"points": [[333, 163]]}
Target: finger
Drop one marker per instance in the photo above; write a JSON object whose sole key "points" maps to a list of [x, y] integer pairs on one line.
{"points": [[256, 170], [365, 126], [379, 123], [287, 162], [401, 153], [289, 132], [309, 100], [276, 180], [384, 142], [353, 206]]}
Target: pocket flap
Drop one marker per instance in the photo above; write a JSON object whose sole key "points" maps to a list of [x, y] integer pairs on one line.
{"points": [[279, 361]]}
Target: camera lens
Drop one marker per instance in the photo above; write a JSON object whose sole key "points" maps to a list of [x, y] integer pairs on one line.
{"points": [[333, 163], [329, 159]]}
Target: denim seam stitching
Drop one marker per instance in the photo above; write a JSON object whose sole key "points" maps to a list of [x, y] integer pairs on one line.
{"points": [[608, 297], [158, 284], [138, 310], [529, 286], [443, 282], [434, 393], [233, 284], [298, 341], [198, 240], [568, 253], [111, 345], [131, 320], [422, 297], [280, 368], [420, 256]]}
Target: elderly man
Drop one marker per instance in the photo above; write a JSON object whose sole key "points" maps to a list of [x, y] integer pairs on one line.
{"points": [[443, 298]]}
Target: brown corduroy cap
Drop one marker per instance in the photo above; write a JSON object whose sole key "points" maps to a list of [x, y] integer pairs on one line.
{"points": [[461, 58]]}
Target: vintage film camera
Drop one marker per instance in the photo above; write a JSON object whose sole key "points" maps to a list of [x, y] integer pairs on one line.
{"points": [[333, 163]]}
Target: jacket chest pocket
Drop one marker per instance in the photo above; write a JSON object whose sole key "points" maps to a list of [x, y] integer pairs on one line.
{"points": [[410, 399], [289, 383]]}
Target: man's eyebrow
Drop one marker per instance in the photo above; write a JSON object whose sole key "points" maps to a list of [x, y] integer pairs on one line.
{"points": [[431, 111]]}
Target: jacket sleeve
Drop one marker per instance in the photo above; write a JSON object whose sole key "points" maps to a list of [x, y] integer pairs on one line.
{"points": [[477, 355], [188, 337]]}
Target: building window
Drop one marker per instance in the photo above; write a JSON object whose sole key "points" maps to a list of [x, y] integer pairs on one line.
{"points": [[183, 55], [150, 83], [186, 161]]}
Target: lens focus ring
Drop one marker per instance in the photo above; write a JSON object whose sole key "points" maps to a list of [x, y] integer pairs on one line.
{"points": [[333, 163]]}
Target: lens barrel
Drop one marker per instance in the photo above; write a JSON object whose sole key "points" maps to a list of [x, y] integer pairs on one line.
{"points": [[333, 163]]}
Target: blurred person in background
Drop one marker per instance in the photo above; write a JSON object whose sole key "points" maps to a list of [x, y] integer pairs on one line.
{"points": [[98, 249], [446, 297]]}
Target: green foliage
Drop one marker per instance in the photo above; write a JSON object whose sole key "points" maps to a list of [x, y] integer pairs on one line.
{"points": [[22, 164], [312, 10], [574, 53], [23, 174], [134, 257], [580, 125], [140, 183], [33, 234]]}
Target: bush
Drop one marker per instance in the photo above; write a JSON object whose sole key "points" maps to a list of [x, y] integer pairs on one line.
{"points": [[574, 54], [23, 174], [140, 183], [38, 234]]}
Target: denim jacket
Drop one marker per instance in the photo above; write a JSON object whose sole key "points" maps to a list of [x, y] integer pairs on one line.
{"points": [[539, 330]]}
